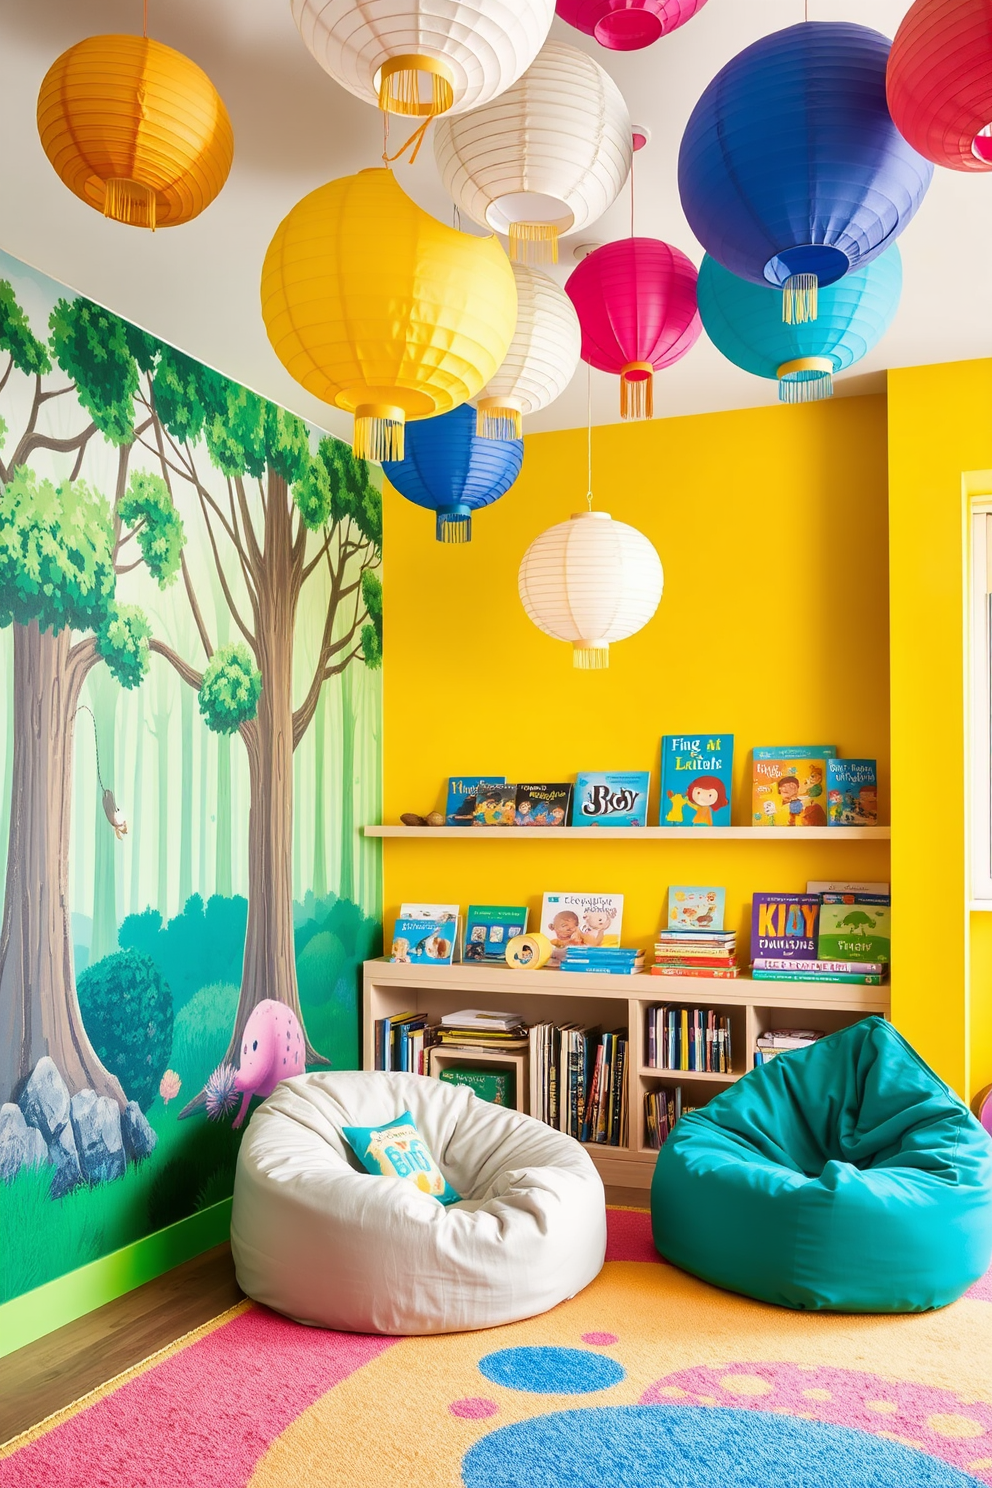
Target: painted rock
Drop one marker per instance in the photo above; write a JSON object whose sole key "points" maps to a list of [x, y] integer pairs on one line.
{"points": [[272, 1049]]}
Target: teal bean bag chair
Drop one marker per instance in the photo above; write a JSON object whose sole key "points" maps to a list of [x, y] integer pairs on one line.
{"points": [[845, 1177]]}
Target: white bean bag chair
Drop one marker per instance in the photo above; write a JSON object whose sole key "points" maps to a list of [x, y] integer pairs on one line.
{"points": [[318, 1238]]}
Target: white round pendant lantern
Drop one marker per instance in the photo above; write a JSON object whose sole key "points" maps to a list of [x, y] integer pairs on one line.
{"points": [[591, 581], [541, 361], [545, 158], [424, 57]]}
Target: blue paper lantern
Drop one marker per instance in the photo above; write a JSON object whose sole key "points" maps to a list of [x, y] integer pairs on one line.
{"points": [[744, 321], [453, 471], [791, 171]]}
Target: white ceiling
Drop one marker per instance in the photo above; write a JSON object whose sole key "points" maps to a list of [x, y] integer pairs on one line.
{"points": [[197, 285]]}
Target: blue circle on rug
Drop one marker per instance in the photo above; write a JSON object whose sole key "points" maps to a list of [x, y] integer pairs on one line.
{"points": [[660, 1446], [551, 1371]]}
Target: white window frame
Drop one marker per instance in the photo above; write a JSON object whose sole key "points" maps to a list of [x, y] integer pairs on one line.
{"points": [[980, 704]]}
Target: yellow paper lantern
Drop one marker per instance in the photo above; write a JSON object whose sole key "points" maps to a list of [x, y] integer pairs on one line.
{"points": [[373, 305], [135, 129]]}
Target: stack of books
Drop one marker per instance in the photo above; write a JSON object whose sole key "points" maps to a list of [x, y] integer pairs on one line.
{"points": [[700, 953], [480, 1031], [615, 960], [697, 1039], [400, 1042], [779, 1040], [662, 1108], [863, 973]]}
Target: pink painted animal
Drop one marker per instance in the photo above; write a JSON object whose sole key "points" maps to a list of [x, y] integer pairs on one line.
{"points": [[272, 1049]]}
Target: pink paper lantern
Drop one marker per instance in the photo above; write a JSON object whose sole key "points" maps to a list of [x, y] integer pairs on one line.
{"points": [[636, 303], [627, 25]]}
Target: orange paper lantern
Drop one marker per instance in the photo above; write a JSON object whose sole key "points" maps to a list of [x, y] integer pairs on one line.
{"points": [[135, 129]]}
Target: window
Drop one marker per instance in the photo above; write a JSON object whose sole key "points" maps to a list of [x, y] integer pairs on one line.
{"points": [[980, 813]]}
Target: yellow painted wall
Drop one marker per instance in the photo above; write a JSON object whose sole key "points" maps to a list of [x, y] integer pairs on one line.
{"points": [[771, 525], [940, 426]]}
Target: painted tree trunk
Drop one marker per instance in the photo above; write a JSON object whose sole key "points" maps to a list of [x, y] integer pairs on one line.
{"points": [[104, 692], [186, 797], [201, 812], [319, 802], [347, 883], [160, 720], [37, 984]]}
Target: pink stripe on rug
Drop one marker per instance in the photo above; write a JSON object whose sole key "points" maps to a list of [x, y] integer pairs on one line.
{"points": [[204, 1416], [628, 1236], [982, 1289]]}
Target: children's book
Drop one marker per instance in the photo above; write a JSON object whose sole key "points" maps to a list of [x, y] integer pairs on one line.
{"points": [[437, 912], [789, 785], [582, 920], [783, 927], [695, 909], [852, 793], [462, 793], [855, 930], [543, 805], [497, 1086], [495, 805], [611, 799], [696, 778], [424, 942], [488, 928]]}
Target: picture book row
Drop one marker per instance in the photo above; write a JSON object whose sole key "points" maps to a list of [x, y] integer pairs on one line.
{"points": [[835, 932], [838, 931], [576, 1076], [792, 786], [579, 933]]}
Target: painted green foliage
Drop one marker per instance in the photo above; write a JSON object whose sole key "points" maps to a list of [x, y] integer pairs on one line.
{"points": [[158, 521]]}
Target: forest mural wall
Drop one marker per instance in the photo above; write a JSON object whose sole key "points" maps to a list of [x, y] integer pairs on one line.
{"points": [[190, 642]]}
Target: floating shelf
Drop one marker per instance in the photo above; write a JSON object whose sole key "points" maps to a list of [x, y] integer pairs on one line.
{"points": [[638, 834]]}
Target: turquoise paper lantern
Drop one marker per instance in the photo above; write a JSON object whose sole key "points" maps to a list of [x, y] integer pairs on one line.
{"points": [[744, 321]]}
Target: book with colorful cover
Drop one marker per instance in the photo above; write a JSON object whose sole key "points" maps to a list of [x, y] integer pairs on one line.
{"points": [[499, 1087], [611, 799], [695, 908], [760, 974], [436, 912], [784, 926], [582, 919], [495, 805], [462, 793], [543, 805], [826, 969], [852, 793], [789, 785], [489, 927], [855, 931], [696, 779], [424, 942]]}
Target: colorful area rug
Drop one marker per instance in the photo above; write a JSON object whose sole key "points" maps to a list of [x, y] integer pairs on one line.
{"points": [[647, 1379]]}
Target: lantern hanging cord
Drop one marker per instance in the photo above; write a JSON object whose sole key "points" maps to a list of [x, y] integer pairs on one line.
{"points": [[632, 159], [144, 27], [589, 435]]}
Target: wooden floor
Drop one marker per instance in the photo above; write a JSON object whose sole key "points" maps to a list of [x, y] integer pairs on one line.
{"points": [[52, 1373]]}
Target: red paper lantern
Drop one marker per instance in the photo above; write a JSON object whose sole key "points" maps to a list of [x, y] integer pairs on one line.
{"points": [[939, 82], [627, 25], [636, 303]]}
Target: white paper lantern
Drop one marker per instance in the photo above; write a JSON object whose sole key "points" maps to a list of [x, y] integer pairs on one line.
{"points": [[545, 158], [591, 581], [542, 358], [423, 57]]}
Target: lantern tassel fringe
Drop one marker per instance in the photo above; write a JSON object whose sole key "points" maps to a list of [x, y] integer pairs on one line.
{"points": [[453, 529], [533, 243], [377, 438], [637, 397], [130, 202], [806, 389], [498, 423], [799, 299], [590, 658], [399, 93]]}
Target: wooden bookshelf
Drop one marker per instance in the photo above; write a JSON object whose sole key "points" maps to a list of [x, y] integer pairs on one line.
{"points": [[636, 834], [617, 1001]]}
